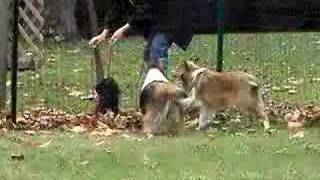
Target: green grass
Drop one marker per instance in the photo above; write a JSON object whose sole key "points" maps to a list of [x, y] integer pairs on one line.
{"points": [[194, 156], [272, 57]]}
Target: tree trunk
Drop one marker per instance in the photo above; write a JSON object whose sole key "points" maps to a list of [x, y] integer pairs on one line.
{"points": [[67, 18], [60, 18], [4, 31]]}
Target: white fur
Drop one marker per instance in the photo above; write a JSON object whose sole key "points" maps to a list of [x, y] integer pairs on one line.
{"points": [[196, 73], [154, 74], [192, 101]]}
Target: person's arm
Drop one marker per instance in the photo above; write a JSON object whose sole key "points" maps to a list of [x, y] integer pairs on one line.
{"points": [[143, 17], [114, 18], [140, 22], [121, 33]]}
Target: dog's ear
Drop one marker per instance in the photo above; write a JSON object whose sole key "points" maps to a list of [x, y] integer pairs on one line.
{"points": [[186, 66], [190, 66]]}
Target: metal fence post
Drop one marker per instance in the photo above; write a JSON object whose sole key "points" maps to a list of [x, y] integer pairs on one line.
{"points": [[15, 33], [220, 26]]}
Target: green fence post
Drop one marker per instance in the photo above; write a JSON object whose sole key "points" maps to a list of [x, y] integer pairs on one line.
{"points": [[220, 26]]}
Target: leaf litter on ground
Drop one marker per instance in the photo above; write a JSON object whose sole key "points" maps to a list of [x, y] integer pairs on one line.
{"points": [[43, 119], [39, 119]]}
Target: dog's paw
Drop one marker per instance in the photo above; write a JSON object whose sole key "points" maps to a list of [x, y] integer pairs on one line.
{"points": [[266, 125]]}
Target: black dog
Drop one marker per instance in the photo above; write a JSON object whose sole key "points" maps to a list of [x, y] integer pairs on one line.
{"points": [[108, 96]]}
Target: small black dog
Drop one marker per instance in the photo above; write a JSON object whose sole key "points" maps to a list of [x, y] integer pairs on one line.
{"points": [[108, 96]]}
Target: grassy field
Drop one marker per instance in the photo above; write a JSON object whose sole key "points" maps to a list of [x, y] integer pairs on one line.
{"points": [[274, 58], [194, 156], [283, 62]]}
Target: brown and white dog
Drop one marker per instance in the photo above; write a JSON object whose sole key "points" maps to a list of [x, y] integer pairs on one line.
{"points": [[215, 91], [162, 113]]}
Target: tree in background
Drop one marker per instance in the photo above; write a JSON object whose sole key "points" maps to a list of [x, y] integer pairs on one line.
{"points": [[4, 39]]}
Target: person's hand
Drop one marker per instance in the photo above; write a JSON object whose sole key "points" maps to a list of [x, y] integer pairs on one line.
{"points": [[120, 33], [117, 35], [99, 38]]}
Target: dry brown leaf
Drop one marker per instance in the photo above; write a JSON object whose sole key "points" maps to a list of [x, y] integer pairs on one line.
{"points": [[45, 144], [78, 129], [100, 143], [315, 80], [292, 91], [287, 87], [88, 97], [299, 134], [77, 70], [294, 125], [276, 89], [75, 93], [83, 163]]}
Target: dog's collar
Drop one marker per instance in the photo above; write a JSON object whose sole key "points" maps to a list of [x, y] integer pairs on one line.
{"points": [[195, 75], [154, 74]]}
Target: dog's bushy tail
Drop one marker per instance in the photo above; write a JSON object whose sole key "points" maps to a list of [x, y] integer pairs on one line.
{"points": [[169, 91]]}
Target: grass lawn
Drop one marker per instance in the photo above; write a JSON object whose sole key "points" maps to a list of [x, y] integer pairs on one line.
{"points": [[282, 62], [193, 156], [274, 58]]}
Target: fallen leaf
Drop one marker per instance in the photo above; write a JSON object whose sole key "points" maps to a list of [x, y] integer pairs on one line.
{"points": [[78, 129], [88, 97], [276, 89], [107, 150], [21, 120], [282, 150], [28, 54], [30, 133], [125, 136], [251, 130], [299, 134], [3, 131], [292, 91], [287, 87], [75, 93], [294, 125], [45, 144], [315, 80], [73, 51], [83, 163], [211, 136], [26, 95], [51, 60], [18, 157], [100, 143], [317, 42], [77, 70], [150, 136]]}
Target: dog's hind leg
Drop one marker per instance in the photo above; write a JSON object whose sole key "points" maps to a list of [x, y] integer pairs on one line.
{"points": [[258, 109], [189, 102], [204, 118], [262, 115]]}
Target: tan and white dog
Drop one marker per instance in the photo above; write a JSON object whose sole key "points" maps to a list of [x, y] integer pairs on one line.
{"points": [[162, 113], [215, 91]]}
